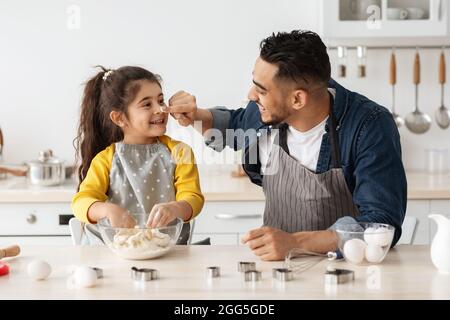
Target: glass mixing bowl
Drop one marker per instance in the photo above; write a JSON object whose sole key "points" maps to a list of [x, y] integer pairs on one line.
{"points": [[365, 242], [140, 242]]}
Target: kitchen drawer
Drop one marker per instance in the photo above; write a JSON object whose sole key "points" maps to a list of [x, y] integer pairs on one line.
{"points": [[217, 239], [229, 217], [34, 219], [35, 241]]}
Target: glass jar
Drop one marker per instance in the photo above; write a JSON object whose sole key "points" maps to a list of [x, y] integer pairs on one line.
{"points": [[437, 160]]}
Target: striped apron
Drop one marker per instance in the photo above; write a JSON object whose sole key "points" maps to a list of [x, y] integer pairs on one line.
{"points": [[300, 200]]}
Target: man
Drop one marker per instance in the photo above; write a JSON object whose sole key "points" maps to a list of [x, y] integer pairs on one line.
{"points": [[338, 155]]}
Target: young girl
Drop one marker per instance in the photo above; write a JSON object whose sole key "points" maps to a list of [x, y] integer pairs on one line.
{"points": [[128, 165]]}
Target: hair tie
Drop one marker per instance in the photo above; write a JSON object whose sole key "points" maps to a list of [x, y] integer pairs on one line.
{"points": [[107, 74]]}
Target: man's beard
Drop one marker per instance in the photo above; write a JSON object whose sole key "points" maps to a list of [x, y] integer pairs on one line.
{"points": [[279, 118]]}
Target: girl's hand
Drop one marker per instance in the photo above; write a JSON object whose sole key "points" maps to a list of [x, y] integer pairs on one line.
{"points": [[119, 217], [164, 213]]}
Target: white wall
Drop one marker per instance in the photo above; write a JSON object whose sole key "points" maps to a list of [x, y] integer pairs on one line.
{"points": [[205, 47]]}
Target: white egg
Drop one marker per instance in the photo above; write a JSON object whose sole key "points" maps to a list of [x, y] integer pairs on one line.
{"points": [[380, 236], [384, 236], [39, 269], [85, 277], [354, 250], [374, 253], [370, 235]]}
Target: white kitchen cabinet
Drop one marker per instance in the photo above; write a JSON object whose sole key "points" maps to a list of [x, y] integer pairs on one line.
{"points": [[35, 223], [216, 238], [227, 222], [374, 19], [35, 240], [223, 221]]}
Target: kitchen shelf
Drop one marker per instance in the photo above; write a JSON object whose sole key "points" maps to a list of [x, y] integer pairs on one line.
{"points": [[366, 22], [434, 47]]}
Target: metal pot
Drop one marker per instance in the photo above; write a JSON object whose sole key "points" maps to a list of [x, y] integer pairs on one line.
{"points": [[47, 170]]}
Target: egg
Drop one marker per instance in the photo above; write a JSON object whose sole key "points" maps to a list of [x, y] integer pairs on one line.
{"points": [[378, 236], [374, 253], [85, 277], [354, 250], [370, 235], [39, 269]]}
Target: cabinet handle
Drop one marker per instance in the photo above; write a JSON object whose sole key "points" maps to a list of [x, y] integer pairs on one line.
{"points": [[227, 216], [31, 219]]}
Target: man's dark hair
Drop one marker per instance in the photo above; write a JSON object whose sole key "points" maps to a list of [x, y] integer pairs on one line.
{"points": [[300, 55]]}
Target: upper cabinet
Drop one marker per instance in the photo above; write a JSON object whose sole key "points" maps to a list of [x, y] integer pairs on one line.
{"points": [[386, 21]]}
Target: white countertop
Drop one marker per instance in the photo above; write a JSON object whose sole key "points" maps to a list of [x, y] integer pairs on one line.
{"points": [[406, 273], [216, 186]]}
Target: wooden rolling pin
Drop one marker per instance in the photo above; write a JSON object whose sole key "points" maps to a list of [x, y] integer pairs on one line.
{"points": [[10, 251]]}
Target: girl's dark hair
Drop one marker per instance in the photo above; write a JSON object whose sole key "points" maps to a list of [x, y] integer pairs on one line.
{"points": [[108, 90], [301, 56]]}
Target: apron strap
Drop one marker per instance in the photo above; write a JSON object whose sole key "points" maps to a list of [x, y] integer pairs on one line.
{"points": [[283, 137], [333, 137]]}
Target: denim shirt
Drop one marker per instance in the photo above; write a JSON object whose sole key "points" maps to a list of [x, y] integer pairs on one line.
{"points": [[370, 152]]}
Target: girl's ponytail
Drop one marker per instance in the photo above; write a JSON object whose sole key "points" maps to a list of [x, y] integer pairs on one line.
{"points": [[95, 131]]}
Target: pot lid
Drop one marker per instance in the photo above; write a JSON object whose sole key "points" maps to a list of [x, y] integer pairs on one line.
{"points": [[46, 157]]}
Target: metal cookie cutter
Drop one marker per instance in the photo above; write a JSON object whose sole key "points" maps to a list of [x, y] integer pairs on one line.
{"points": [[282, 274], [338, 276], [252, 275], [98, 271], [246, 266], [144, 274], [213, 272]]}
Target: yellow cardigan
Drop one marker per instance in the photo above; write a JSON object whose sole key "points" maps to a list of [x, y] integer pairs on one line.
{"points": [[95, 185]]}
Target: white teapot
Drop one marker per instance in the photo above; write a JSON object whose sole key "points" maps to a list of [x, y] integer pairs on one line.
{"points": [[440, 247]]}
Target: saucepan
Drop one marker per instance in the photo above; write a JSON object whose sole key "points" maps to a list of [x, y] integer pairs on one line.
{"points": [[47, 170]]}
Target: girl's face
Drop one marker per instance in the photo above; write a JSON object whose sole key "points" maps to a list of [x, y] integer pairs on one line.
{"points": [[145, 121]]}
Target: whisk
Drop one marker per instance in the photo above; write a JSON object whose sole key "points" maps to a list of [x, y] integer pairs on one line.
{"points": [[299, 260]]}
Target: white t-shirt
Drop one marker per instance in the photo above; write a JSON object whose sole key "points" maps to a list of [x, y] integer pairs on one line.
{"points": [[303, 146]]}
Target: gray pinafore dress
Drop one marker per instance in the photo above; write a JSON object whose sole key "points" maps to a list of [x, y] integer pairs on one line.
{"points": [[140, 177], [300, 200]]}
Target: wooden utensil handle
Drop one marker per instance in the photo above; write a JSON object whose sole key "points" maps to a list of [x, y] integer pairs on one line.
{"points": [[442, 73], [393, 70], [10, 251], [14, 172], [416, 79]]}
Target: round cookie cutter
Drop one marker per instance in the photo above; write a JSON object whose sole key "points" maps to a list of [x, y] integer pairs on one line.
{"points": [[98, 271], [213, 272]]}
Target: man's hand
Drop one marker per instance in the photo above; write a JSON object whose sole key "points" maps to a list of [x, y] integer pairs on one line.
{"points": [[269, 243], [273, 244], [183, 108]]}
